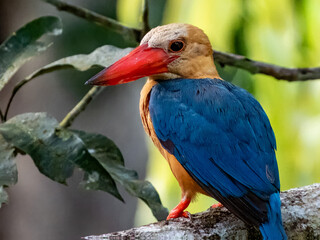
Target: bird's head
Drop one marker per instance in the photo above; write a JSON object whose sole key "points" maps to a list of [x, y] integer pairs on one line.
{"points": [[166, 52]]}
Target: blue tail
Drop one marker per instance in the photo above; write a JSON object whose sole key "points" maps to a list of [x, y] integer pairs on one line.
{"points": [[273, 229]]}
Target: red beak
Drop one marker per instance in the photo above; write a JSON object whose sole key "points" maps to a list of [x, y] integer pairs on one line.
{"points": [[141, 62]]}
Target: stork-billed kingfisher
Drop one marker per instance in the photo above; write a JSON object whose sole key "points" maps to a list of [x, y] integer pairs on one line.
{"points": [[215, 136]]}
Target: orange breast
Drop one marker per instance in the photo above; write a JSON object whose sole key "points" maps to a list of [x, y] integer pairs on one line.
{"points": [[188, 186]]}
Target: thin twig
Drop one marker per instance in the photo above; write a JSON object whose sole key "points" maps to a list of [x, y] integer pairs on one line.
{"points": [[254, 67], [130, 33], [145, 19], [81, 106]]}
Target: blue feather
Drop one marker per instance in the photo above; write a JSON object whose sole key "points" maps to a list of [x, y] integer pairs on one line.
{"points": [[223, 138], [273, 229]]}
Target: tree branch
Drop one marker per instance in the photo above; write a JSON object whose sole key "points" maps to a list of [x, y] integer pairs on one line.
{"points": [[300, 213], [254, 67], [238, 61], [127, 32], [81, 106]]}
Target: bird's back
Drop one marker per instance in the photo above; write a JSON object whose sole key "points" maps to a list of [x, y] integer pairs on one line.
{"points": [[221, 136]]}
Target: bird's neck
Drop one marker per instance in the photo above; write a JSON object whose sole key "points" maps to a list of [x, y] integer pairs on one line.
{"points": [[201, 68], [195, 68]]}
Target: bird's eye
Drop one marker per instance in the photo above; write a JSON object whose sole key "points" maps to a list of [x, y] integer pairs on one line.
{"points": [[176, 46]]}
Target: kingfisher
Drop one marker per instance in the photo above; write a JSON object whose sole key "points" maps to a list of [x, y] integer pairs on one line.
{"points": [[215, 136]]}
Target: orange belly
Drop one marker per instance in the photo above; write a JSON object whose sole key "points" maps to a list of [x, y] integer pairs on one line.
{"points": [[188, 186]]}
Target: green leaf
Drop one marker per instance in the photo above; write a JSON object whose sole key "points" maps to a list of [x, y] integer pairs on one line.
{"points": [[35, 134], [23, 45], [107, 153], [103, 57], [56, 151], [8, 168]]}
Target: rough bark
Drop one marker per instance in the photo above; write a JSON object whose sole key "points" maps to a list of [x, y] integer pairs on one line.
{"points": [[300, 213]]}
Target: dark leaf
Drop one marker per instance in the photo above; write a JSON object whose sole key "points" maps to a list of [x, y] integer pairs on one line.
{"points": [[56, 151], [8, 168], [23, 45], [107, 153]]}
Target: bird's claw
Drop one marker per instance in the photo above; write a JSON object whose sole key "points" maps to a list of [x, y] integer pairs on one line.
{"points": [[176, 214], [217, 205], [186, 214]]}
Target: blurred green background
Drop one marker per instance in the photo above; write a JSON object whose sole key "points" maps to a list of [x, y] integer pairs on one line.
{"points": [[285, 33]]}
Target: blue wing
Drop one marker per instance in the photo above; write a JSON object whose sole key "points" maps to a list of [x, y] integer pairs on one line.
{"points": [[222, 137]]}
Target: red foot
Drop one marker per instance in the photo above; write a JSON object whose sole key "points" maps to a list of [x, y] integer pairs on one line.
{"points": [[173, 215], [186, 214], [178, 211], [216, 205]]}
